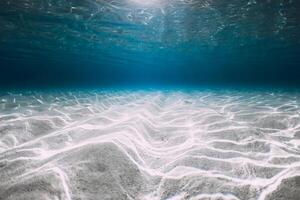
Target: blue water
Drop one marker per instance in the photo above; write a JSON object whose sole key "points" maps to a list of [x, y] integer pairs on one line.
{"points": [[149, 99], [155, 42]]}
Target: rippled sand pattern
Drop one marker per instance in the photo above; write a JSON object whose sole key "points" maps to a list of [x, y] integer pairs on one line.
{"points": [[150, 145]]}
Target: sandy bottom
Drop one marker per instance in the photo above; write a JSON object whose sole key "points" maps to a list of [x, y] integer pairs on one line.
{"points": [[150, 145]]}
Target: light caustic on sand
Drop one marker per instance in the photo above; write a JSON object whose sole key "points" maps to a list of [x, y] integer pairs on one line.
{"points": [[150, 145]]}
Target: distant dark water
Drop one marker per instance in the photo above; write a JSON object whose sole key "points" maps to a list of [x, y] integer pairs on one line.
{"points": [[160, 42]]}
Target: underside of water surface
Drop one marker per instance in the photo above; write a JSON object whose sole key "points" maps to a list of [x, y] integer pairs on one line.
{"points": [[98, 42], [149, 100]]}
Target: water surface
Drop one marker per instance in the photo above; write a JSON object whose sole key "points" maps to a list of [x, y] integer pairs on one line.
{"points": [[106, 42]]}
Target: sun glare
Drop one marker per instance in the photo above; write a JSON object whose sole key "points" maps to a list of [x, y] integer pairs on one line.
{"points": [[150, 3]]}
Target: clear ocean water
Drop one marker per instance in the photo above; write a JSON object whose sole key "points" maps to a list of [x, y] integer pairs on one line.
{"points": [[146, 42], [149, 100]]}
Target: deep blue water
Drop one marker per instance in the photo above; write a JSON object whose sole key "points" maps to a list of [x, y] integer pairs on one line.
{"points": [[156, 42]]}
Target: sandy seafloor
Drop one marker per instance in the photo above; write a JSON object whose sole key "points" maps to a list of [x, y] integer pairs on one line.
{"points": [[151, 145]]}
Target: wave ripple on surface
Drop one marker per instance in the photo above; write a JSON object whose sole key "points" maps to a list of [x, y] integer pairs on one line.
{"points": [[150, 145]]}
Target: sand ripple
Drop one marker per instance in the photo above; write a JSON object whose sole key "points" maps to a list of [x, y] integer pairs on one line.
{"points": [[150, 145]]}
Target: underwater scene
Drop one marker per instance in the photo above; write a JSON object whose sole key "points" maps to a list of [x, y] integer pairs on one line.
{"points": [[149, 100]]}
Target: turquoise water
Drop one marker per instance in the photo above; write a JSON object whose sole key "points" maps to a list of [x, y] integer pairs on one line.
{"points": [[149, 99], [155, 42]]}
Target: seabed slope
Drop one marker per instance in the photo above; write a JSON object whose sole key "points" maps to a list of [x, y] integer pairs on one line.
{"points": [[150, 145]]}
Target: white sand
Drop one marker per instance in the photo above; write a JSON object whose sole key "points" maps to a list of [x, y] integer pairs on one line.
{"points": [[150, 145]]}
